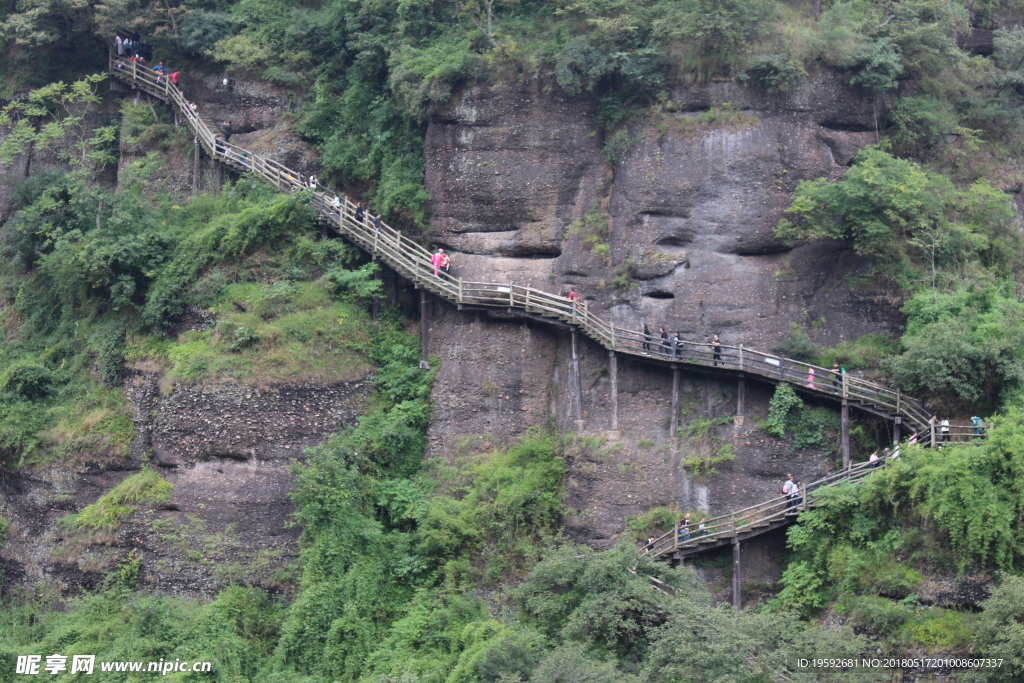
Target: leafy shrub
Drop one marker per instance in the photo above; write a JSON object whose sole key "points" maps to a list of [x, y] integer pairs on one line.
{"points": [[721, 32], [922, 123], [777, 73], [1000, 628], [28, 380], [878, 201], [964, 342], [941, 630], [875, 66], [110, 355], [782, 403], [201, 29], [581, 65]]}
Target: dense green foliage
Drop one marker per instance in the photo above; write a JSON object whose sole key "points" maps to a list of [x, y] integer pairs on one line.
{"points": [[84, 268], [953, 509], [235, 631], [457, 571], [809, 427]]}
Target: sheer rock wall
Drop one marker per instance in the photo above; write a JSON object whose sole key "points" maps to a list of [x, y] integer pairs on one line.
{"points": [[523, 191]]}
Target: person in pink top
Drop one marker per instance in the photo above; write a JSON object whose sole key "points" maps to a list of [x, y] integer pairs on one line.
{"points": [[437, 260], [810, 378]]}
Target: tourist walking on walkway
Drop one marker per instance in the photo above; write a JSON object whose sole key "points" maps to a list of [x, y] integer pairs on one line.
{"points": [[810, 378], [677, 345], [979, 426], [788, 485], [360, 212], [666, 347], [716, 347], [645, 345], [944, 430], [574, 300], [436, 260], [837, 378], [794, 496]]}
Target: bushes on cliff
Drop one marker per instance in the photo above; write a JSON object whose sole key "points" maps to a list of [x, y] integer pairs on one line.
{"points": [[899, 216], [965, 342], [235, 631], [952, 509]]}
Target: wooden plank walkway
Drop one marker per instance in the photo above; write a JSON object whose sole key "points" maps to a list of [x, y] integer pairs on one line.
{"points": [[741, 525], [412, 261]]}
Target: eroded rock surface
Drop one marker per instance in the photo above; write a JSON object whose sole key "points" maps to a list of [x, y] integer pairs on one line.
{"points": [[227, 449], [523, 193]]}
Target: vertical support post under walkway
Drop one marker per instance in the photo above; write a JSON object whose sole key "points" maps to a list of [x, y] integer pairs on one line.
{"points": [[737, 577], [741, 391], [195, 166], [845, 424], [896, 429], [424, 332], [673, 424], [613, 374], [577, 385]]}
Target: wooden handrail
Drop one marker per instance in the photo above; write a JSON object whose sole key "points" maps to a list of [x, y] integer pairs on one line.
{"points": [[412, 261], [765, 513]]}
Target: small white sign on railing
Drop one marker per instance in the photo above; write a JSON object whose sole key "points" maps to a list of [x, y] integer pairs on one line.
{"points": [[772, 361]]}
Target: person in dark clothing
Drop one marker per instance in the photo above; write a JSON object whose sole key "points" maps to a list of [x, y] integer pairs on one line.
{"points": [[666, 347], [716, 345], [229, 130], [645, 345], [376, 225], [360, 212], [837, 379], [677, 345]]}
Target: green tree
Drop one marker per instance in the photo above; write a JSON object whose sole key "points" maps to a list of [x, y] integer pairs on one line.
{"points": [[50, 115], [879, 202], [966, 342], [1000, 630]]}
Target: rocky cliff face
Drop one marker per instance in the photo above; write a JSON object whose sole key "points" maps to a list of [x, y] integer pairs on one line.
{"points": [[682, 201], [227, 449]]}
